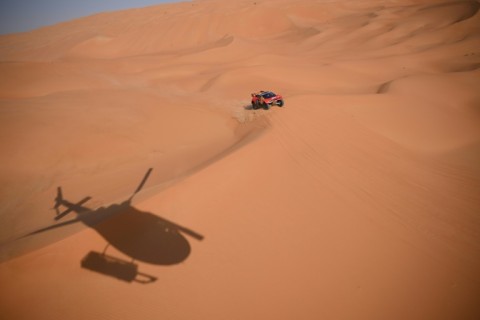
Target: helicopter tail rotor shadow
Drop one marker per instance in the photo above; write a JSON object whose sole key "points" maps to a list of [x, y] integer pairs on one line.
{"points": [[71, 207]]}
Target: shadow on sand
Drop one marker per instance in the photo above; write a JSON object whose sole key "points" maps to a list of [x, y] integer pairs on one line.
{"points": [[115, 267], [141, 235]]}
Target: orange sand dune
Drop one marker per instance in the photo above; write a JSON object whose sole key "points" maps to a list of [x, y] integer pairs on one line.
{"points": [[359, 199]]}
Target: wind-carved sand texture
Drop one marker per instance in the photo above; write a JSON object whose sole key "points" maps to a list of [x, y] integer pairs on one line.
{"points": [[137, 182]]}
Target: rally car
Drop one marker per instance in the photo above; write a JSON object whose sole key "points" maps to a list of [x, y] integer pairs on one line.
{"points": [[266, 99]]}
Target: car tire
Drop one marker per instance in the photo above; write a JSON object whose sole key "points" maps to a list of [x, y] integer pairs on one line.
{"points": [[280, 103], [266, 106]]}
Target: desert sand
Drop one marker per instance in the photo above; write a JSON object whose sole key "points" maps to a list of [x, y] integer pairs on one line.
{"points": [[359, 199]]}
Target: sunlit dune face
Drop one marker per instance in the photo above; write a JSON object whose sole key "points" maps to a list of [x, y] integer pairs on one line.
{"points": [[356, 197]]}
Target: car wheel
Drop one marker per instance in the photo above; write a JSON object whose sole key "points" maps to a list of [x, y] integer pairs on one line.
{"points": [[280, 103], [266, 106]]}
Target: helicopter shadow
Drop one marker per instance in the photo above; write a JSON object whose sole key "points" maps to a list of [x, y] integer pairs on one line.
{"points": [[141, 235]]}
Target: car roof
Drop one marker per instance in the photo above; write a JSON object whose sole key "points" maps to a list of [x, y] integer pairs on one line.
{"points": [[266, 92]]}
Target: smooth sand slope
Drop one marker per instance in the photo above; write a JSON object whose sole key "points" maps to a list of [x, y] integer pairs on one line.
{"points": [[360, 199]]}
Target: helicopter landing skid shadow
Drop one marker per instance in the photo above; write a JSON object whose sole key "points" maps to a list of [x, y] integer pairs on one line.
{"points": [[115, 267]]}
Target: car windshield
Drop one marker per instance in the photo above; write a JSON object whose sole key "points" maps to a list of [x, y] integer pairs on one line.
{"points": [[268, 95]]}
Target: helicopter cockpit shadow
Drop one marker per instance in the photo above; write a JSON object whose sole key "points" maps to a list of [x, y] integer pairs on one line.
{"points": [[141, 235]]}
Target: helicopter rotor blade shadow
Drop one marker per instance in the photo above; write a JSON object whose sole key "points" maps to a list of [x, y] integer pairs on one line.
{"points": [[140, 186], [55, 226], [190, 232]]}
